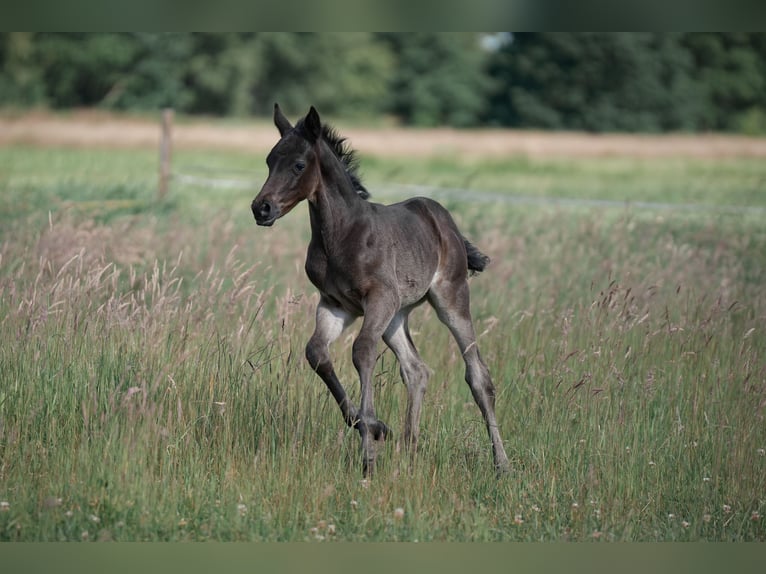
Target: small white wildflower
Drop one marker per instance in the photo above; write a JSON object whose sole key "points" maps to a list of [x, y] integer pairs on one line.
{"points": [[399, 513], [354, 504], [651, 463], [726, 509], [69, 514], [761, 451], [705, 479], [94, 518], [755, 515], [242, 509], [364, 483], [5, 506], [671, 516], [706, 518], [535, 508], [518, 520], [575, 505], [84, 535], [685, 524], [331, 529]]}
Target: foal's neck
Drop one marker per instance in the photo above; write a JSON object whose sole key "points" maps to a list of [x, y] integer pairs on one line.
{"points": [[336, 204]]}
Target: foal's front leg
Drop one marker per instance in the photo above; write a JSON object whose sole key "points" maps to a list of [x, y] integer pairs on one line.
{"points": [[330, 322], [379, 308]]}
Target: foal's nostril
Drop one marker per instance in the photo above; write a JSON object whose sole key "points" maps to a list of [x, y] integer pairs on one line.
{"points": [[261, 211], [264, 212]]}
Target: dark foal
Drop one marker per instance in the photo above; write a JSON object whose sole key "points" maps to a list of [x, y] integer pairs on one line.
{"points": [[377, 262]]}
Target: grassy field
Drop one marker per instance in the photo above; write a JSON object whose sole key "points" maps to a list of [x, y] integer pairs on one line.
{"points": [[153, 386]]}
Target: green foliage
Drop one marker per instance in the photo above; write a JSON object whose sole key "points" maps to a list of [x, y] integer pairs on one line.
{"points": [[221, 73], [617, 82], [22, 82], [730, 70], [121, 71], [339, 73], [439, 78], [645, 82]]}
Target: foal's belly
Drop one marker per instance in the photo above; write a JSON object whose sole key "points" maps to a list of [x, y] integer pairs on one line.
{"points": [[348, 296], [412, 291]]}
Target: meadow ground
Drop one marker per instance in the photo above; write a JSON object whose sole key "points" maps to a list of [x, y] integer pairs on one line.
{"points": [[152, 380]]}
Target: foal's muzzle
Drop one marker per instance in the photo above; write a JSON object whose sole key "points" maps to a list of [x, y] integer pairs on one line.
{"points": [[264, 212]]}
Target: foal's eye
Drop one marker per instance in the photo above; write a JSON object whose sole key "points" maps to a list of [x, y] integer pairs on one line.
{"points": [[299, 166]]}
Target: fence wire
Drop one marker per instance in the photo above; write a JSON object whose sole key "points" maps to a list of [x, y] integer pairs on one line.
{"points": [[212, 179]]}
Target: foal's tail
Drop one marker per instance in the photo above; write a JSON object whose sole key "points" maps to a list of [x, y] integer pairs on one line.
{"points": [[477, 261]]}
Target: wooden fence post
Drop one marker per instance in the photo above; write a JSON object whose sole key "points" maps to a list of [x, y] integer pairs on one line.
{"points": [[166, 151]]}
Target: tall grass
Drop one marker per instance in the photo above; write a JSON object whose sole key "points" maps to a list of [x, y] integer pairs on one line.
{"points": [[153, 386]]}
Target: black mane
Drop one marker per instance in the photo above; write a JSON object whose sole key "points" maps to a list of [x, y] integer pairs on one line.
{"points": [[345, 154]]}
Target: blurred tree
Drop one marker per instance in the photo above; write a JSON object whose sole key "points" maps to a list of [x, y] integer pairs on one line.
{"points": [[731, 70], [155, 76], [439, 78], [336, 72], [21, 81], [221, 73], [126, 71], [597, 82], [83, 69]]}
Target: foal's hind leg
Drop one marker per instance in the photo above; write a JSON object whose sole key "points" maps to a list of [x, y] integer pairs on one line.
{"points": [[452, 307], [414, 373]]}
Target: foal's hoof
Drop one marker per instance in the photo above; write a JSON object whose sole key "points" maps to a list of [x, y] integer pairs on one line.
{"points": [[381, 431], [502, 469], [377, 428]]}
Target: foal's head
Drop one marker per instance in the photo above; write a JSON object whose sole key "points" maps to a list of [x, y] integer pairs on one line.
{"points": [[294, 169]]}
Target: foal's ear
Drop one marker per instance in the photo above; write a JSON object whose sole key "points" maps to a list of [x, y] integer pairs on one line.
{"points": [[282, 123], [312, 125]]}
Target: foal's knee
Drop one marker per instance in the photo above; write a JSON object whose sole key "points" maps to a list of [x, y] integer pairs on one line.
{"points": [[363, 353], [316, 354]]}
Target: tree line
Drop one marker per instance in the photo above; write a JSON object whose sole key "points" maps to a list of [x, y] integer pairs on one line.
{"points": [[638, 82]]}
